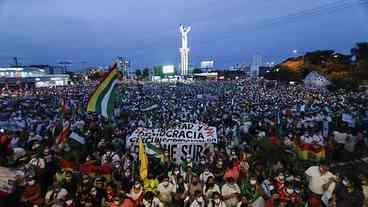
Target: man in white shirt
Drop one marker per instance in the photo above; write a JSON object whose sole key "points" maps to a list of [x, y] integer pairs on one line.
{"points": [[198, 200], [166, 191], [320, 181], [230, 192], [55, 194]]}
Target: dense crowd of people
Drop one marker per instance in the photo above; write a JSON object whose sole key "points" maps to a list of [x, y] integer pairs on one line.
{"points": [[278, 145]]}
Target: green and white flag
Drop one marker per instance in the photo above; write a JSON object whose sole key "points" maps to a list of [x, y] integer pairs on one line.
{"points": [[103, 98], [153, 151]]}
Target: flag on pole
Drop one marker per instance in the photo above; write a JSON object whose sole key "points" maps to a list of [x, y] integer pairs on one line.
{"points": [[143, 170], [63, 134], [154, 152], [63, 110], [102, 99], [310, 152]]}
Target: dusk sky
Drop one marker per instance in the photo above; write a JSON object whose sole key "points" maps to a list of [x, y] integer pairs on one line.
{"points": [[146, 31]]}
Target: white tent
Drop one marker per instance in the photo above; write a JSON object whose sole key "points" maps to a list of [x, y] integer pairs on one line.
{"points": [[316, 80]]}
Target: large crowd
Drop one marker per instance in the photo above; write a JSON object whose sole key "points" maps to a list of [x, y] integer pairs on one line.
{"points": [[278, 145]]}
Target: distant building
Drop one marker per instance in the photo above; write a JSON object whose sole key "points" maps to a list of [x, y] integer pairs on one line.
{"points": [[206, 76], [254, 68], [263, 70], [125, 66], [232, 74], [32, 76], [50, 69]]}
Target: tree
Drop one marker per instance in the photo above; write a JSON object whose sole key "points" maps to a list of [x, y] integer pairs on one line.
{"points": [[360, 69], [157, 71], [360, 52], [138, 73], [145, 73], [318, 57]]}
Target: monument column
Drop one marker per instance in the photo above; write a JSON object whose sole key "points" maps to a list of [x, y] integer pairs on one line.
{"points": [[184, 50]]}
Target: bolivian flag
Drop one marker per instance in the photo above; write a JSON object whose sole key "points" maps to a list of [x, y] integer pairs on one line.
{"points": [[143, 159], [310, 152], [102, 99], [63, 134]]}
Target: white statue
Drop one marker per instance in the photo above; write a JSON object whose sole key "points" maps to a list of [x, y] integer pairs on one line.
{"points": [[184, 50], [184, 35]]}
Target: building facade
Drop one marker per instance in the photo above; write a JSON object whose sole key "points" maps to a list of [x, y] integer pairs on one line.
{"points": [[31, 76]]}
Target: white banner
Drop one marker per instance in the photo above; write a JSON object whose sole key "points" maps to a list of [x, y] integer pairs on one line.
{"points": [[182, 133], [179, 152], [182, 140]]}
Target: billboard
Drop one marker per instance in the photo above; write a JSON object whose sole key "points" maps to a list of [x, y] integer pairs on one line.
{"points": [[207, 64], [168, 69]]}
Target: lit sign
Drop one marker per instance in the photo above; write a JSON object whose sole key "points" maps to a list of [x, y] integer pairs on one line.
{"points": [[168, 69], [11, 69], [207, 64], [207, 74]]}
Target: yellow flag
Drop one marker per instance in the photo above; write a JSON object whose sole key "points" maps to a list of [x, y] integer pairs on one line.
{"points": [[143, 170]]}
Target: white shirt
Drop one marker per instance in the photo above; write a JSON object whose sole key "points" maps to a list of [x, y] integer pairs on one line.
{"points": [[340, 137], [196, 203], [38, 162], [227, 190], [213, 204], [57, 196], [317, 180], [209, 191], [260, 202], [165, 192], [204, 176], [154, 203]]}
